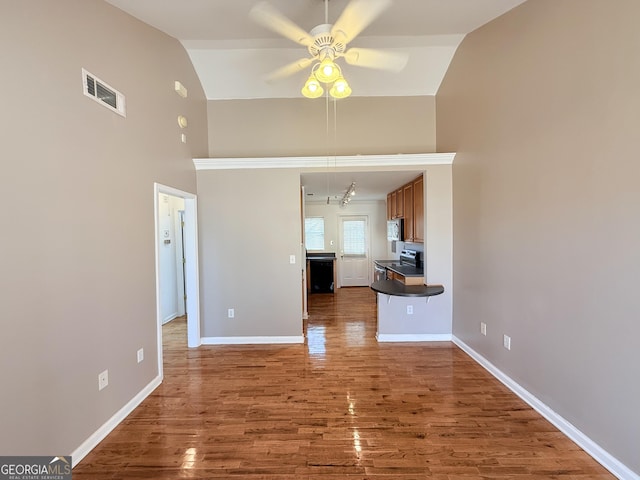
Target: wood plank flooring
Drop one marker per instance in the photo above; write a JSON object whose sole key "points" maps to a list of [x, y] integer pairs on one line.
{"points": [[341, 406]]}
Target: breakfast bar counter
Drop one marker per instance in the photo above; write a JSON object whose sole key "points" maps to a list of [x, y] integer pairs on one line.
{"points": [[409, 313], [399, 289]]}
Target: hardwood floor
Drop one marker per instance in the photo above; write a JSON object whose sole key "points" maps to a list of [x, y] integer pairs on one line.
{"points": [[339, 406]]}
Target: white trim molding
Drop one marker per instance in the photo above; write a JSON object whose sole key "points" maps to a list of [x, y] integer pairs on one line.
{"points": [[399, 160], [413, 337], [599, 454], [96, 437], [251, 340], [192, 275]]}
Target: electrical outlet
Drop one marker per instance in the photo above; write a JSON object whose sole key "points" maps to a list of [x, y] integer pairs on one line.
{"points": [[231, 313], [103, 379], [140, 355], [409, 309], [292, 259], [506, 342], [483, 328]]}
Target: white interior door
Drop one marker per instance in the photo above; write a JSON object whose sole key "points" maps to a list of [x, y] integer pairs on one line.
{"points": [[180, 263], [354, 251]]}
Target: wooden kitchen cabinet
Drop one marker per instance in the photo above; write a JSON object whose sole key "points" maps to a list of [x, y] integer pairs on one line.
{"points": [[407, 195], [394, 199], [395, 204], [399, 203], [406, 280], [418, 210], [407, 202]]}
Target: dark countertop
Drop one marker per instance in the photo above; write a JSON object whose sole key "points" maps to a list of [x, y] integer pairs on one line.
{"points": [[405, 270], [408, 270], [321, 256], [399, 289]]}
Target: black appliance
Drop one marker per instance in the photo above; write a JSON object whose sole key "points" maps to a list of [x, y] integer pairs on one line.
{"points": [[321, 275]]}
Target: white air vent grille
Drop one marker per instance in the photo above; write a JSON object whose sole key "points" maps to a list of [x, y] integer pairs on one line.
{"points": [[102, 93]]}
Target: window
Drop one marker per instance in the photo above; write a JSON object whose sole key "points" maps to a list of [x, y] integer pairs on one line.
{"points": [[314, 233], [354, 237]]}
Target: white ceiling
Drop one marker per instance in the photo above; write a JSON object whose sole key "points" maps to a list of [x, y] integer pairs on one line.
{"points": [[231, 53], [369, 185]]}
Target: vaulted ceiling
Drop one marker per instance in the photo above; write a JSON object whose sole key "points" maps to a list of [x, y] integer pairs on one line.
{"points": [[232, 54]]}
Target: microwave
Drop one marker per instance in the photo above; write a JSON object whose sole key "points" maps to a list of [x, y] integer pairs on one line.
{"points": [[395, 230]]}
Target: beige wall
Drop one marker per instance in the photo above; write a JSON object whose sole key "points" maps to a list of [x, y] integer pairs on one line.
{"points": [[249, 225], [541, 107], [438, 245], [78, 285], [259, 211], [298, 127]]}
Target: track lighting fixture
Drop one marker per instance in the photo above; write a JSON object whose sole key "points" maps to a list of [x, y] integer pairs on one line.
{"points": [[351, 191]]}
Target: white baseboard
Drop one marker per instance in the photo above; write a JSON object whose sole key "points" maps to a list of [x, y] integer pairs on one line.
{"points": [[603, 457], [99, 435], [168, 318], [413, 337], [251, 340]]}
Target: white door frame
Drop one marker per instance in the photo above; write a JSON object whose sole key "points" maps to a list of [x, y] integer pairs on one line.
{"points": [[192, 279]]}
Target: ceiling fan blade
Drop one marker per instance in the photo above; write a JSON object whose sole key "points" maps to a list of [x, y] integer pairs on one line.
{"points": [[267, 16], [289, 69], [380, 59], [356, 16]]}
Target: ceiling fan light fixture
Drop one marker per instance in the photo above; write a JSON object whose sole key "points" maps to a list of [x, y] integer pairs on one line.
{"points": [[327, 42], [340, 88], [312, 88], [327, 71]]}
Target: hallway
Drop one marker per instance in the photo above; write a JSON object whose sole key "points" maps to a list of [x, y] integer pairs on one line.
{"points": [[340, 406]]}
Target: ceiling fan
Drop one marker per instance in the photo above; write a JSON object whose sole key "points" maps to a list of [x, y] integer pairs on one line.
{"points": [[327, 43]]}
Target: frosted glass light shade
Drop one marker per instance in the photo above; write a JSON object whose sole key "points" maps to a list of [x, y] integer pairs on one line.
{"points": [[327, 71], [312, 88], [340, 89]]}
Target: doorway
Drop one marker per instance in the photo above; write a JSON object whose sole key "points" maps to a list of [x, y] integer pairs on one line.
{"points": [[191, 280], [354, 251], [171, 258]]}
